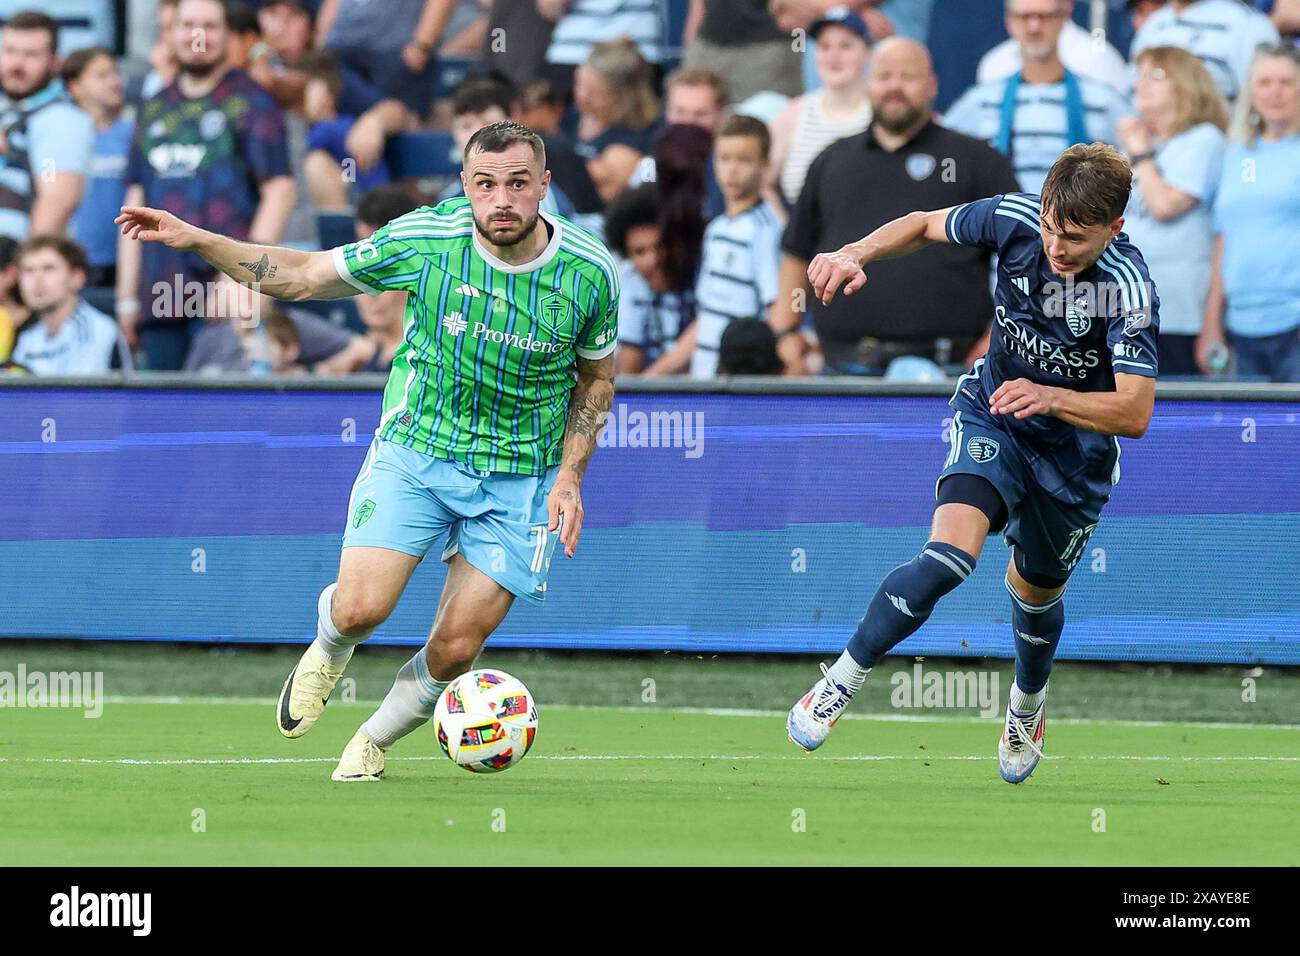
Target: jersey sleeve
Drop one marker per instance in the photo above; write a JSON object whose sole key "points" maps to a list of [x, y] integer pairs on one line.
{"points": [[383, 261], [598, 336], [1133, 326], [991, 223]]}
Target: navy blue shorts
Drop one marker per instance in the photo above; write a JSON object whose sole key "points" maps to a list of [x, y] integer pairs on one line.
{"points": [[1049, 535]]}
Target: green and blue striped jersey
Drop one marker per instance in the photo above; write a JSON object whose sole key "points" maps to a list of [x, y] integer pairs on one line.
{"points": [[489, 359]]}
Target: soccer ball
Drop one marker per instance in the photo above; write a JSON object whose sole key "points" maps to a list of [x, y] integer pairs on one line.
{"points": [[485, 721]]}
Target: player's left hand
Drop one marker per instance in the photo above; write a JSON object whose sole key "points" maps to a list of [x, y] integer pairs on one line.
{"points": [[565, 502], [1022, 398]]}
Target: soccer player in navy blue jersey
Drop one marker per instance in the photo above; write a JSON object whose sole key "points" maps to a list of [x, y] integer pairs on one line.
{"points": [[1034, 450]]}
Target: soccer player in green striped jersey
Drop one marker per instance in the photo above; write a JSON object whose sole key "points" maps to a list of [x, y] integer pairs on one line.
{"points": [[489, 418]]}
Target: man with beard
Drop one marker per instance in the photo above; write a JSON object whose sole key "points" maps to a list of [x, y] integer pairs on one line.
{"points": [[493, 407], [45, 140], [210, 148], [935, 305]]}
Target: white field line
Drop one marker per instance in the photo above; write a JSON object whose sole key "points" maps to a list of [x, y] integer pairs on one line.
{"points": [[242, 761], [900, 718]]}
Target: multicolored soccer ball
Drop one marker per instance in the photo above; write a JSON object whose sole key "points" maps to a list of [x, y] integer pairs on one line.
{"points": [[485, 721]]}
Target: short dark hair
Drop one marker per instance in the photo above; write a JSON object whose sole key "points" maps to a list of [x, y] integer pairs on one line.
{"points": [[8, 251], [35, 20], [242, 19], [699, 76], [748, 347], [323, 65], [632, 209], [498, 137], [71, 253], [78, 61], [383, 204], [281, 329], [748, 126], [478, 94], [1088, 185]]}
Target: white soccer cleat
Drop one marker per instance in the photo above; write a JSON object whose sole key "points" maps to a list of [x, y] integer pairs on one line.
{"points": [[361, 760], [1021, 745], [816, 712], [303, 697]]}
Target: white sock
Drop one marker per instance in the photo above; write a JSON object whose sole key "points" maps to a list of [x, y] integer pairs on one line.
{"points": [[1023, 703], [408, 705], [334, 646], [849, 673]]}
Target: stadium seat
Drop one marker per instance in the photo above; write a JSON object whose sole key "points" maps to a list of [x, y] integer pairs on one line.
{"points": [[427, 153]]}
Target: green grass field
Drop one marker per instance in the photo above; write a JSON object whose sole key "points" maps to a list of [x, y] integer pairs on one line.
{"points": [[622, 781]]}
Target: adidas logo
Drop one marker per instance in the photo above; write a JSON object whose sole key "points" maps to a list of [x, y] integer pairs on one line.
{"points": [[454, 323], [469, 290], [1021, 283], [1031, 639], [900, 603]]}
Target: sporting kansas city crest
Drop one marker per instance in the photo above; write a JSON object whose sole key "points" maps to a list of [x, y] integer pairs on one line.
{"points": [[982, 449], [1077, 317], [919, 166]]}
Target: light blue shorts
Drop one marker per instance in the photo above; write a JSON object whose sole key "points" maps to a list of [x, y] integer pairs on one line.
{"points": [[406, 501]]}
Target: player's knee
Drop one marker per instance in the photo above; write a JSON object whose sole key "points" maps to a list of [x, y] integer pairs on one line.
{"points": [[453, 652], [356, 613]]}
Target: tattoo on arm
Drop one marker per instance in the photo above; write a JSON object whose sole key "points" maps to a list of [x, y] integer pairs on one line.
{"points": [[592, 398], [261, 269]]}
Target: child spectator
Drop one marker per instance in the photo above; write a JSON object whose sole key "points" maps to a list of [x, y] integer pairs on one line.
{"points": [[285, 344], [328, 165], [739, 269], [652, 312], [748, 347], [92, 79]]}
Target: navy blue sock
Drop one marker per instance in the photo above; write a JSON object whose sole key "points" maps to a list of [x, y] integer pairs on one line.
{"points": [[1038, 630], [906, 597]]}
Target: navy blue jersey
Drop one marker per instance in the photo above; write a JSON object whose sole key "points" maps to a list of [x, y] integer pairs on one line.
{"points": [[1075, 333]]}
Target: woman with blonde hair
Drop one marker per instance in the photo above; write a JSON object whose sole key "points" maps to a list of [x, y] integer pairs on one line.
{"points": [[1254, 302], [614, 95], [1175, 145]]}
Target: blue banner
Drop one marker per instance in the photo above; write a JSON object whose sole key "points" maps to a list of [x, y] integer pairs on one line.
{"points": [[713, 522]]}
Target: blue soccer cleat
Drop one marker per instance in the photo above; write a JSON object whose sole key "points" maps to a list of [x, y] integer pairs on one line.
{"points": [[811, 719], [1021, 745]]}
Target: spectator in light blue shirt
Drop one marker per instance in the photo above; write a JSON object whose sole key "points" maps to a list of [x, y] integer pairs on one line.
{"points": [[92, 79], [47, 140], [1254, 302], [1175, 146], [1043, 110]]}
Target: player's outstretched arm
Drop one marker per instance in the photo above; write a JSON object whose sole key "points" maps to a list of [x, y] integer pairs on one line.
{"points": [[279, 272], [899, 237], [589, 406]]}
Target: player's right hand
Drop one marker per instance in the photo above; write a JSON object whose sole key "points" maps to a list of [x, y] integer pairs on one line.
{"points": [[829, 270], [157, 225]]}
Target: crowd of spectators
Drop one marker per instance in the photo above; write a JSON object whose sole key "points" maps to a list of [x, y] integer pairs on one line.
{"points": [[715, 158]]}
